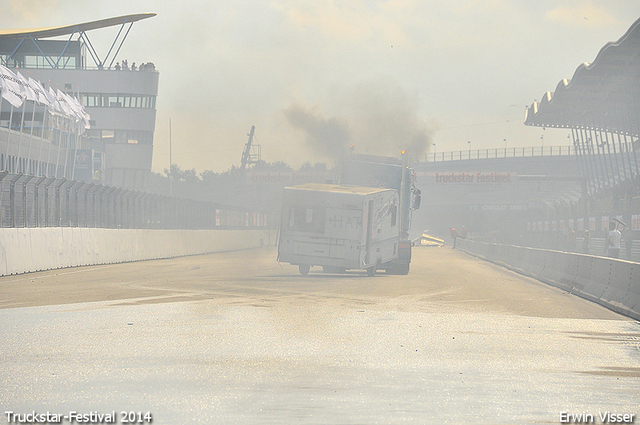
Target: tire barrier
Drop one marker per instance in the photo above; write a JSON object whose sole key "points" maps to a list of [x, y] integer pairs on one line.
{"points": [[34, 249], [610, 282]]}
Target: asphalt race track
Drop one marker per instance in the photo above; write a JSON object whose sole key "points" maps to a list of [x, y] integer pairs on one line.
{"points": [[237, 338]]}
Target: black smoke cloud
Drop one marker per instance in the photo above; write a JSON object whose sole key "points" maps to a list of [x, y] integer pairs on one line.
{"points": [[375, 118], [326, 137]]}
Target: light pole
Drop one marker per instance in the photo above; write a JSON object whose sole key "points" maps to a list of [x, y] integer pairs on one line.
{"points": [[469, 143], [434, 152]]}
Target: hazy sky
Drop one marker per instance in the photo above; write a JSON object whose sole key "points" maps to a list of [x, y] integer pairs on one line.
{"points": [[314, 75]]}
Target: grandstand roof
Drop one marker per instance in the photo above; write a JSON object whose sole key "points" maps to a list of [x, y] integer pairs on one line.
{"points": [[604, 94], [71, 29]]}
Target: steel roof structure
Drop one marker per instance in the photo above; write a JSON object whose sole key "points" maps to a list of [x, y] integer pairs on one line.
{"points": [[125, 22], [600, 105], [602, 95]]}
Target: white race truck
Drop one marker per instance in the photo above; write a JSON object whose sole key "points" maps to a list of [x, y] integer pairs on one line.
{"points": [[339, 227]]}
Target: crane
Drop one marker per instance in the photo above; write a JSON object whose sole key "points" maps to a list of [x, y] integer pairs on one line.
{"points": [[250, 155]]}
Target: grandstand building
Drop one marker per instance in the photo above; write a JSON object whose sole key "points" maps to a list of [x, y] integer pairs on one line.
{"points": [[601, 107], [117, 148], [552, 197]]}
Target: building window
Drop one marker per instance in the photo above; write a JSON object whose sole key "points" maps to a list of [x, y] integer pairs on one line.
{"points": [[39, 61], [108, 136], [34, 61], [92, 100], [131, 137], [95, 100], [112, 101], [121, 136]]}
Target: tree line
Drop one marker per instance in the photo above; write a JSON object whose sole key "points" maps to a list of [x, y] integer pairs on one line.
{"points": [[228, 187]]}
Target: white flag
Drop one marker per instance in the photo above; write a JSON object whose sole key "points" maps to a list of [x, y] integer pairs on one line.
{"points": [[40, 93], [77, 109], [55, 104], [51, 97], [29, 93], [11, 90], [62, 99], [75, 106]]}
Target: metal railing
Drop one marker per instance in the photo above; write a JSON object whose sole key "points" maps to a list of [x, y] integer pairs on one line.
{"points": [[499, 153], [32, 201]]}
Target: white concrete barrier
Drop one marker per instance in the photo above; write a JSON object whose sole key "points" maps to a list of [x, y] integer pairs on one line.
{"points": [[34, 249], [18, 250], [612, 283]]}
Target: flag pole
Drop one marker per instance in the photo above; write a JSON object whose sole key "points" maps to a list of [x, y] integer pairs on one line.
{"points": [[3, 165], [9, 136], [170, 163], [24, 109], [33, 117]]}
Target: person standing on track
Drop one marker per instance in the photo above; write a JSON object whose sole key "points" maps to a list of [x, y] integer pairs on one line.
{"points": [[613, 241], [586, 241], [454, 236]]}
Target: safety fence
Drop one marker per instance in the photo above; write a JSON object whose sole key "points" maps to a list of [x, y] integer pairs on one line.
{"points": [[32, 201]]}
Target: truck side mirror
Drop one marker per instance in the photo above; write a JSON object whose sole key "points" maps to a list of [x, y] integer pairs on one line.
{"points": [[416, 202]]}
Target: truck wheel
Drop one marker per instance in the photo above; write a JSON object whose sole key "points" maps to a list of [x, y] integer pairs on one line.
{"points": [[304, 269], [371, 271], [399, 269]]}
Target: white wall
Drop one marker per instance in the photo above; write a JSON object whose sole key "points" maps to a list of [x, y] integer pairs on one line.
{"points": [[612, 283], [33, 249]]}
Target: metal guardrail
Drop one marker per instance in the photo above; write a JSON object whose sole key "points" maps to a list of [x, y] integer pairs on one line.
{"points": [[500, 153], [33, 201]]}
